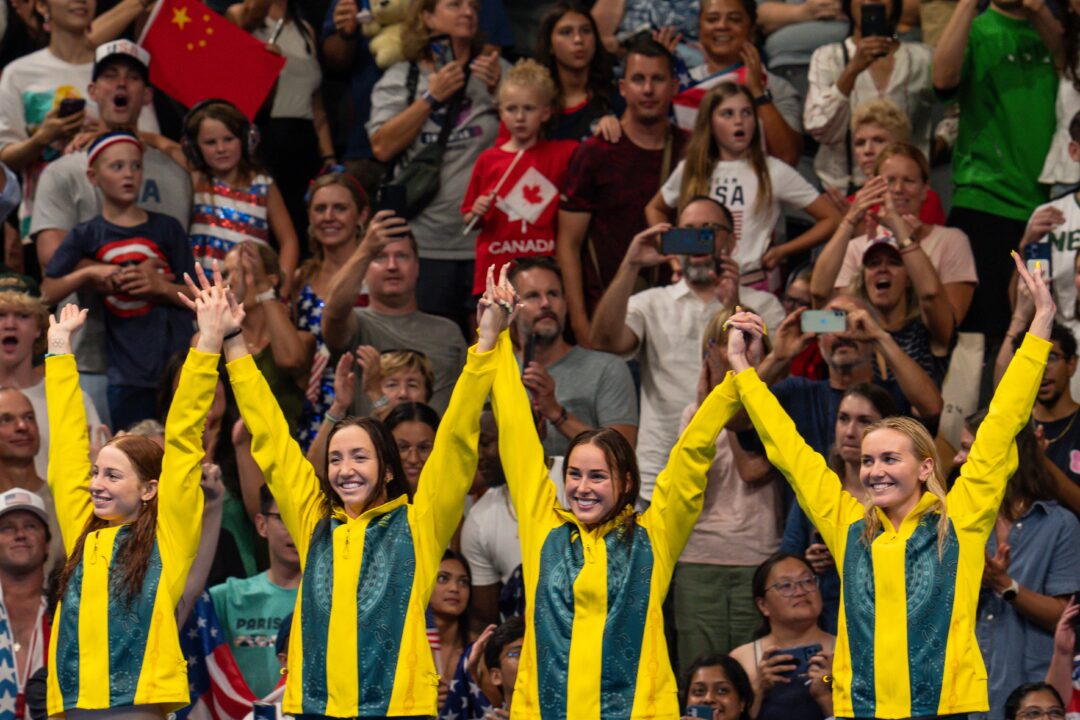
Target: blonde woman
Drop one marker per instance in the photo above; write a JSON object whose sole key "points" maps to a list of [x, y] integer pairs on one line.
{"points": [[910, 556]]}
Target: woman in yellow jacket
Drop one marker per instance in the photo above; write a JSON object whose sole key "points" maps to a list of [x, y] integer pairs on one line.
{"points": [[596, 574], [370, 554], [114, 650], [910, 556]]}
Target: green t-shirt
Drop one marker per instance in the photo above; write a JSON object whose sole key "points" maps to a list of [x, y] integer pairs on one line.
{"points": [[1006, 94], [251, 611]]}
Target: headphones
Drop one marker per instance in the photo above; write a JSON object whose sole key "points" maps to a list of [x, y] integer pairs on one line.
{"points": [[189, 143]]}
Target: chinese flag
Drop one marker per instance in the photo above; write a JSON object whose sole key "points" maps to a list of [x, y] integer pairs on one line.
{"points": [[196, 54]]}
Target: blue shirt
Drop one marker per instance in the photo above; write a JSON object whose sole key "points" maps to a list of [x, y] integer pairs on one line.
{"points": [[363, 75], [1045, 559]]}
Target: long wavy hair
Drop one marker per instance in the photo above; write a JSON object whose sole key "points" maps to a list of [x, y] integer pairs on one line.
{"points": [[310, 267], [702, 152], [922, 446], [388, 460], [601, 75], [132, 558], [1031, 481]]}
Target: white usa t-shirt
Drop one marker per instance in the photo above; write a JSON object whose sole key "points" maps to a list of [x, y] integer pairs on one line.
{"points": [[735, 186], [1064, 243]]}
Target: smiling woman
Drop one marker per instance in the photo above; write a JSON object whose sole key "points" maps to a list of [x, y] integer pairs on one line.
{"points": [[911, 556]]}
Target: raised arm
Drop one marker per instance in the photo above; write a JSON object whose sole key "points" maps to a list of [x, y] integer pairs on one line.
{"points": [[449, 471], [338, 320], [570, 234], [69, 445], [946, 70], [609, 330], [993, 457], [831, 261], [817, 488]]}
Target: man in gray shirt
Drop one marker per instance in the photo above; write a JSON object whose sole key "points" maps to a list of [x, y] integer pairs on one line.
{"points": [[572, 388], [66, 198], [387, 261]]}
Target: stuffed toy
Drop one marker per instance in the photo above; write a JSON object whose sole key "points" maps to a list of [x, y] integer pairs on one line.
{"points": [[384, 28]]}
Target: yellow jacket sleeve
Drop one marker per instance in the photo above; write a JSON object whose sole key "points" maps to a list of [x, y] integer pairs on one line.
{"points": [[180, 497], [69, 447], [680, 487], [449, 471], [290, 477], [817, 488], [976, 495], [520, 450]]}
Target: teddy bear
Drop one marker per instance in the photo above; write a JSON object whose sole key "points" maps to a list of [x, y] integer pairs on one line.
{"points": [[384, 29]]}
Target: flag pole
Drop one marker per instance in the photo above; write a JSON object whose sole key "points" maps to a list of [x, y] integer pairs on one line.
{"points": [[498, 185], [150, 21]]}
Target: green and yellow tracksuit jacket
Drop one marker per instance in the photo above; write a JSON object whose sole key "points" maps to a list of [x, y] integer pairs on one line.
{"points": [[594, 630], [906, 643], [358, 645], [108, 650]]}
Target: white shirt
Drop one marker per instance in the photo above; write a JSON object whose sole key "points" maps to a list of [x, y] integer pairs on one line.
{"points": [[489, 538], [1059, 167], [827, 115], [669, 323], [735, 186]]}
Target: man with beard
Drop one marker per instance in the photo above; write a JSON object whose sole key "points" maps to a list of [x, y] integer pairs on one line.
{"points": [[608, 184], [858, 355], [663, 326], [66, 198], [572, 389], [1055, 412]]}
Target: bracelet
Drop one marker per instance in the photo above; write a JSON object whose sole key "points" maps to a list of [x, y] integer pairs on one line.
{"points": [[233, 334], [52, 354], [557, 422], [430, 99], [327, 417], [265, 295]]}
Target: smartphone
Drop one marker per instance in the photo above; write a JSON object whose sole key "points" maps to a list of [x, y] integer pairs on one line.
{"points": [[688, 241], [70, 106], [802, 655], [823, 321], [1039, 252], [874, 22], [700, 711], [393, 197], [530, 350]]}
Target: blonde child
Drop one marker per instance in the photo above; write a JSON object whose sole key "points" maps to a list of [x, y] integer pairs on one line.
{"points": [[515, 187], [234, 200], [725, 161]]}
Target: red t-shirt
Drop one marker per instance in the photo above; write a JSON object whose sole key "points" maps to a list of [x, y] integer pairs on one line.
{"points": [[521, 221], [613, 182]]}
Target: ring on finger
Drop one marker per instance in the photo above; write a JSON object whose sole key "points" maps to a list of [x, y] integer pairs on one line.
{"points": [[505, 306]]}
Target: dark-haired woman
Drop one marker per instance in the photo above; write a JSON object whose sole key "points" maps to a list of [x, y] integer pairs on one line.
{"points": [[370, 552], [719, 682], [860, 68], [787, 596], [295, 138], [114, 649], [413, 426], [1035, 700], [569, 46], [1032, 569], [596, 573]]}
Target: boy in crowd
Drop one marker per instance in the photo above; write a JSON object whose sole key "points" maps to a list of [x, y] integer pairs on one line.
{"points": [[502, 654]]}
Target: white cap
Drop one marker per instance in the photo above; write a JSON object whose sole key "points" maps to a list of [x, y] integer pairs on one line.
{"points": [[124, 48], [19, 499]]}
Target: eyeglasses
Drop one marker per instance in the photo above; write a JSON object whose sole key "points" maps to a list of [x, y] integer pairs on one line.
{"points": [[1056, 713], [513, 653], [787, 588]]}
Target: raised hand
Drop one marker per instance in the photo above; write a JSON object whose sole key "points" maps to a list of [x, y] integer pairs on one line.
{"points": [[1045, 308], [477, 652], [318, 367], [216, 311], [1044, 220], [496, 309], [644, 249], [71, 318], [385, 228], [871, 194], [745, 331], [344, 386]]}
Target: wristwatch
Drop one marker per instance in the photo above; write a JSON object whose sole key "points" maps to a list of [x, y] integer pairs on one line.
{"points": [[427, 97], [1009, 594], [905, 243], [763, 99]]}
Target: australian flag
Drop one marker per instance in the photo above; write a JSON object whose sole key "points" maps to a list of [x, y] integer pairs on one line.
{"points": [[218, 689]]}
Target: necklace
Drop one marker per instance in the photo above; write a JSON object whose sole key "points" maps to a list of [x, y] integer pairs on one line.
{"points": [[1051, 441]]}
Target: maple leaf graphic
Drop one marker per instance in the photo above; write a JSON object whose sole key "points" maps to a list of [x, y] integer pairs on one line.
{"points": [[532, 194]]}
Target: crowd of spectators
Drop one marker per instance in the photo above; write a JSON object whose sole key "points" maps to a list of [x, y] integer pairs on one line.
{"points": [[857, 173]]}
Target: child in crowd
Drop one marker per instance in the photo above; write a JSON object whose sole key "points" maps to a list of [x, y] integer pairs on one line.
{"points": [[234, 200], [520, 179], [725, 160], [135, 256], [501, 655]]}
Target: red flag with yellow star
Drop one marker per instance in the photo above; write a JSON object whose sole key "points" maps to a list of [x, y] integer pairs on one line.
{"points": [[196, 54]]}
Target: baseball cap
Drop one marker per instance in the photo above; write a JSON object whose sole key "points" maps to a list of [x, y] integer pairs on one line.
{"points": [[123, 50], [884, 241], [15, 282], [19, 499]]}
